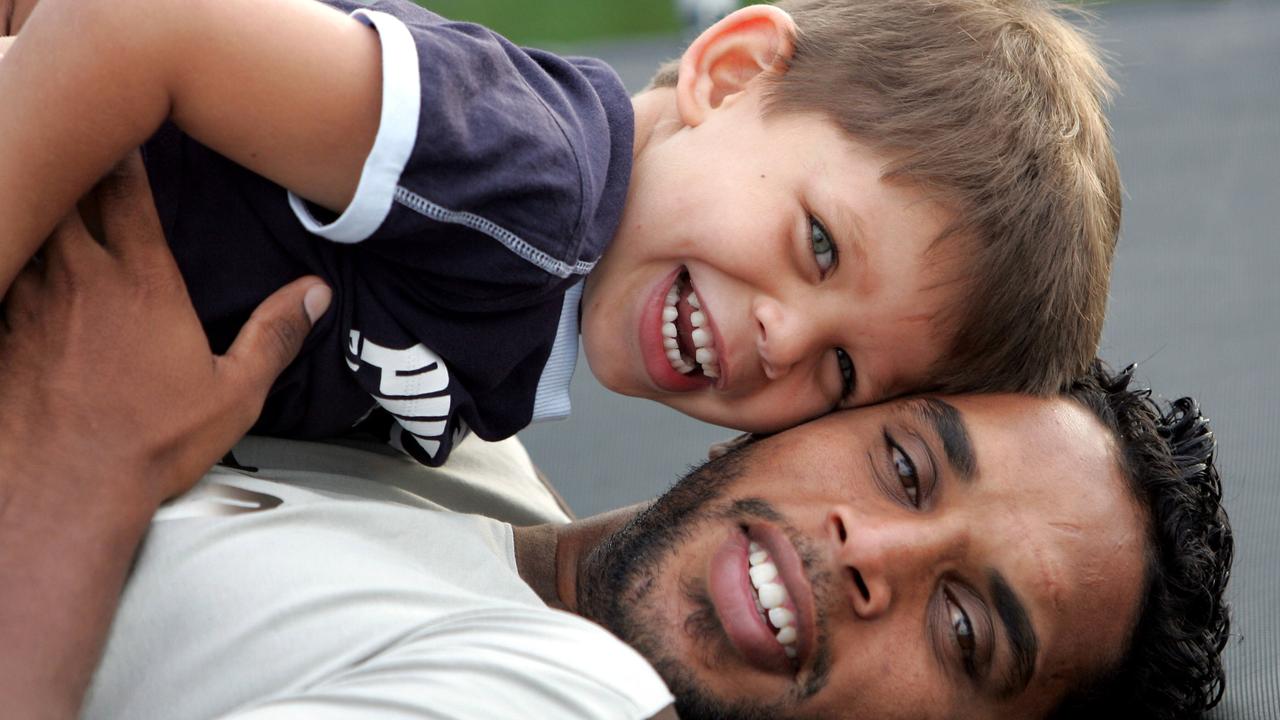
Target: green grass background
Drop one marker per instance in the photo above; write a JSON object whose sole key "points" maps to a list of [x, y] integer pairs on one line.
{"points": [[563, 21], [533, 22]]}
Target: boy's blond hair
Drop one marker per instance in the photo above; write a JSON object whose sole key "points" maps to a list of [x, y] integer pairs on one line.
{"points": [[994, 107]]}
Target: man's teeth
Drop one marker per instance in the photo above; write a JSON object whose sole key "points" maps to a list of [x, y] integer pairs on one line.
{"points": [[703, 341], [771, 597]]}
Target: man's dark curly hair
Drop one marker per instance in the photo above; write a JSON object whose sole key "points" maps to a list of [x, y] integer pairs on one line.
{"points": [[1173, 665]]}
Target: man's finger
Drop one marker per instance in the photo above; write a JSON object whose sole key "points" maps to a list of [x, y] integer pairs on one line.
{"points": [[723, 448], [20, 303], [275, 333], [128, 212], [69, 246]]}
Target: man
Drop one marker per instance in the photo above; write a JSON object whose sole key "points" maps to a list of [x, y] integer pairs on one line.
{"points": [[968, 557], [988, 557]]}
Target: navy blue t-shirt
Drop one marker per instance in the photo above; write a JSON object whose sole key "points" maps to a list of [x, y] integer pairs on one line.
{"points": [[496, 180]]}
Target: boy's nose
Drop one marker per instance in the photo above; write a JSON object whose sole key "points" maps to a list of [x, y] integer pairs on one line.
{"points": [[781, 337]]}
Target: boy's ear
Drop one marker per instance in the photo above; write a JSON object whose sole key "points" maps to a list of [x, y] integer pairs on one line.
{"points": [[725, 58]]}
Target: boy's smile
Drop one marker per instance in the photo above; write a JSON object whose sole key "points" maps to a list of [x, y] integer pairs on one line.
{"points": [[763, 273], [678, 338]]}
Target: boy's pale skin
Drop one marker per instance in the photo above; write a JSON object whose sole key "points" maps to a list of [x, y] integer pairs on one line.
{"points": [[731, 198], [740, 207]]}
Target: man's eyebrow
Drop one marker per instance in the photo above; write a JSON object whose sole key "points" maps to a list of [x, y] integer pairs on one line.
{"points": [[950, 427], [1023, 644]]}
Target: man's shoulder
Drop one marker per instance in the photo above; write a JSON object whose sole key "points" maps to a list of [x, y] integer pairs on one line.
{"points": [[494, 479]]}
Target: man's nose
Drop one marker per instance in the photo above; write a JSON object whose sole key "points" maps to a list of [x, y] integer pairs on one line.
{"points": [[784, 336], [880, 560]]}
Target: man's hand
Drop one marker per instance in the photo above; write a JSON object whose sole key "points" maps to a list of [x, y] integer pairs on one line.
{"points": [[104, 367], [110, 402]]}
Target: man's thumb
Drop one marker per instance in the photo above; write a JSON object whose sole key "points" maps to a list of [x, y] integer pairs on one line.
{"points": [[276, 330]]}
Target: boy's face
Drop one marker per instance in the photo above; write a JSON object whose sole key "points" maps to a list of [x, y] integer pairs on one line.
{"points": [[813, 277]]}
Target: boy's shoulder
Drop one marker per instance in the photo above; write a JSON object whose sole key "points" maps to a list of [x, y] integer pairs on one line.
{"points": [[523, 146]]}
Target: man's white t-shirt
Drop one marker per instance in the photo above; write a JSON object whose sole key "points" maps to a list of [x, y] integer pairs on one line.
{"points": [[333, 596]]}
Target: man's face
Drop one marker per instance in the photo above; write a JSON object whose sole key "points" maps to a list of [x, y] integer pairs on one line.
{"points": [[973, 558], [763, 274]]}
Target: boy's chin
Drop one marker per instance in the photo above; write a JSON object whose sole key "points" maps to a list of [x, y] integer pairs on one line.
{"points": [[616, 375]]}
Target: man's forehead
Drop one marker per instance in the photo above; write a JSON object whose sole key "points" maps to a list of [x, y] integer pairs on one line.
{"points": [[1057, 479], [1051, 423], [1004, 434], [988, 410]]}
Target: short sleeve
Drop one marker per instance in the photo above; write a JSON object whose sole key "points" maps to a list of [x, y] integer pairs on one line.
{"points": [[392, 146], [493, 164], [496, 179]]}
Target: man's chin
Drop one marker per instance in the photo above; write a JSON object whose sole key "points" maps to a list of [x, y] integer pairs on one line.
{"points": [[622, 574]]}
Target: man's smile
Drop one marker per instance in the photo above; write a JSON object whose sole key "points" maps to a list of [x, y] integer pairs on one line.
{"points": [[763, 599]]}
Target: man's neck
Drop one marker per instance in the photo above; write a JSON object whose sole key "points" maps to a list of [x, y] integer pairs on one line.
{"points": [[550, 558]]}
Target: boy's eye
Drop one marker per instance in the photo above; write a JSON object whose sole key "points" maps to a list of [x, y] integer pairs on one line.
{"points": [[824, 251], [846, 374]]}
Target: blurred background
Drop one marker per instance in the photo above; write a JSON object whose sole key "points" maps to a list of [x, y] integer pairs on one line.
{"points": [[1195, 292], [562, 23]]}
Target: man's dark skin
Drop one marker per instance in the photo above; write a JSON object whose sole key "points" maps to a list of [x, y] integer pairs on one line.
{"points": [[113, 403]]}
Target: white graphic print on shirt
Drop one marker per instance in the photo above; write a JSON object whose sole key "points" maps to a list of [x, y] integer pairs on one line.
{"points": [[411, 387]]}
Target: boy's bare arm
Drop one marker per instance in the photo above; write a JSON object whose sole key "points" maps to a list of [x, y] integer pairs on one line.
{"points": [[291, 89], [113, 402]]}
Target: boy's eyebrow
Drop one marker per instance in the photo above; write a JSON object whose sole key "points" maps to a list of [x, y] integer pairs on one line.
{"points": [[851, 227]]}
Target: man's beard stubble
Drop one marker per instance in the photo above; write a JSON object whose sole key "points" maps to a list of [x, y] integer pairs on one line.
{"points": [[619, 578]]}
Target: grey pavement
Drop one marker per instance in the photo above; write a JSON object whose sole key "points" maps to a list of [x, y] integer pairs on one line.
{"points": [[1195, 294]]}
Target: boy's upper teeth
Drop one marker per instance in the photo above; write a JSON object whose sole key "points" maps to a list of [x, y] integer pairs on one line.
{"points": [[705, 357], [771, 597], [670, 313]]}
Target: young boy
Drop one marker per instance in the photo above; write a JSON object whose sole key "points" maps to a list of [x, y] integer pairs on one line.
{"points": [[822, 204]]}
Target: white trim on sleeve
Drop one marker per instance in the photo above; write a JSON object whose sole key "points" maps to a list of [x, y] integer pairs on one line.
{"points": [[397, 132]]}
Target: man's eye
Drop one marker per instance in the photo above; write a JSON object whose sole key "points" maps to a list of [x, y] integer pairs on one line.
{"points": [[962, 629], [847, 376], [824, 251], [907, 474]]}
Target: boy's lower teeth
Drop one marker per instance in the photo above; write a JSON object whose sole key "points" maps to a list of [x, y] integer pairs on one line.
{"points": [[704, 360]]}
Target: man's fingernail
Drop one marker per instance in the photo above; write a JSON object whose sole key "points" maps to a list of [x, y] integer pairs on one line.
{"points": [[316, 301]]}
